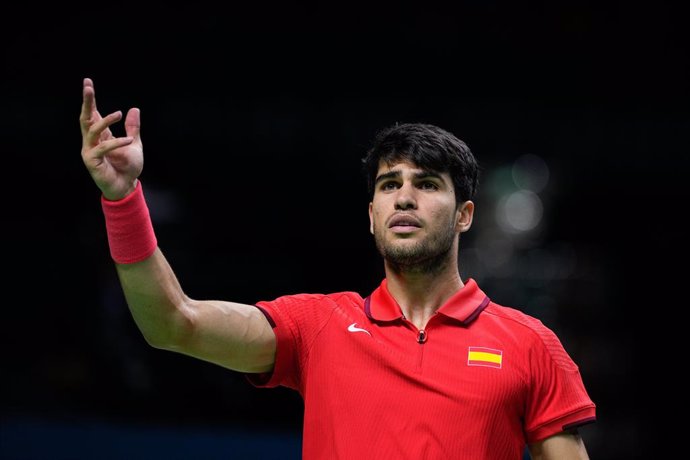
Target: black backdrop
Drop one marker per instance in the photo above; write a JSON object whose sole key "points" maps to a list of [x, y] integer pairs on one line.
{"points": [[254, 120]]}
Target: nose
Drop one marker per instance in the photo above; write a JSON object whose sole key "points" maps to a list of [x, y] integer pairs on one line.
{"points": [[405, 198]]}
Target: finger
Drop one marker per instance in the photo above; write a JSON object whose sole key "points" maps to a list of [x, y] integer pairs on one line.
{"points": [[99, 131], [88, 105], [106, 147], [89, 112], [133, 123]]}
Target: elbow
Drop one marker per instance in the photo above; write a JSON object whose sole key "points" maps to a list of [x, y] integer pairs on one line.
{"points": [[158, 341], [171, 333]]}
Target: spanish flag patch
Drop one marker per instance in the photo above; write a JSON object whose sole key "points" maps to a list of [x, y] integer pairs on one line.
{"points": [[481, 356]]}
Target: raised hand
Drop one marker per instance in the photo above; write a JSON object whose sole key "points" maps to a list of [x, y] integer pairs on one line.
{"points": [[113, 162]]}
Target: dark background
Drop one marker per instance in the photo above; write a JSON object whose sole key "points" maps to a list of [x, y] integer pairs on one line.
{"points": [[254, 120]]}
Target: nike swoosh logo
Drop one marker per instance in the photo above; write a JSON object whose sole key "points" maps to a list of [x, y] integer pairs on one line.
{"points": [[353, 328]]}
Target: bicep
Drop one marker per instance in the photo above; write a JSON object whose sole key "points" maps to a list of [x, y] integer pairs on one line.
{"points": [[562, 446], [233, 335]]}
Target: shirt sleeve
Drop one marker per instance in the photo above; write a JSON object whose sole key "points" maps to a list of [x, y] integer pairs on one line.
{"points": [[296, 321], [557, 400]]}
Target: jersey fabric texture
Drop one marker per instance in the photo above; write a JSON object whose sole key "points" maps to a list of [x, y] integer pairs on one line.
{"points": [[480, 381]]}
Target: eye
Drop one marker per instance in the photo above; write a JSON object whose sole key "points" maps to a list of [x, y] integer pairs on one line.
{"points": [[388, 186], [428, 186]]}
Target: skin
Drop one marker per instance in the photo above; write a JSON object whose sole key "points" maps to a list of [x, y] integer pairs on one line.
{"points": [[420, 260], [566, 446]]}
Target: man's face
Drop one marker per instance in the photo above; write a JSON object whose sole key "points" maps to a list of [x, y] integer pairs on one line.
{"points": [[413, 215]]}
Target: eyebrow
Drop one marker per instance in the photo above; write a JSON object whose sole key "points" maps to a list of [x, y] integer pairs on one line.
{"points": [[425, 174]]}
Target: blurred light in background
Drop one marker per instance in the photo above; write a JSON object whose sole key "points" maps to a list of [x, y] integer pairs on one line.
{"points": [[530, 172], [520, 211]]}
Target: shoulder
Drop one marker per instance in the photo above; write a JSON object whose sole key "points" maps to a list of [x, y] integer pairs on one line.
{"points": [[337, 297], [513, 316], [532, 330], [516, 319], [333, 300], [346, 298]]}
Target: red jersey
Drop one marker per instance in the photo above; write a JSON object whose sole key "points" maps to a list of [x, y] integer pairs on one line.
{"points": [[480, 381]]}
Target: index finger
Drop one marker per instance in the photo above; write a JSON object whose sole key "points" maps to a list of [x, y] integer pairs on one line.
{"points": [[89, 113]]}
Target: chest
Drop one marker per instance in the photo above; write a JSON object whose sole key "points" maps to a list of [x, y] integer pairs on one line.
{"points": [[445, 369]]}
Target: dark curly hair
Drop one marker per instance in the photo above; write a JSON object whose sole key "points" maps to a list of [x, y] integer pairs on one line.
{"points": [[428, 147]]}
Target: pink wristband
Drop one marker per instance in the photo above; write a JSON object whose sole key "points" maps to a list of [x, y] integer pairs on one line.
{"points": [[130, 231]]}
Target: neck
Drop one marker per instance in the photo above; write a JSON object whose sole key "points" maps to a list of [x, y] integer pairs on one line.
{"points": [[421, 294]]}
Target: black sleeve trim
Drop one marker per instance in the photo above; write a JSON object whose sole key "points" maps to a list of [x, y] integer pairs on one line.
{"points": [[579, 423], [268, 317]]}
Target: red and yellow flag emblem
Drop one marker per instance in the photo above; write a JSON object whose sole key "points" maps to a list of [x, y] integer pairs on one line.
{"points": [[481, 356]]}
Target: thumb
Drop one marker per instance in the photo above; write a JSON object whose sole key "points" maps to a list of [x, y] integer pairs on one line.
{"points": [[133, 123]]}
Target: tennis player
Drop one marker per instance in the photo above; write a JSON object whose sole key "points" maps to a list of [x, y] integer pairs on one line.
{"points": [[424, 367]]}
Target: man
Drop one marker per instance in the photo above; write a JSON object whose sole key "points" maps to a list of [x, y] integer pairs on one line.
{"points": [[426, 367]]}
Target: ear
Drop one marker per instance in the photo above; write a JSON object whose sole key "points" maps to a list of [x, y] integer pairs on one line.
{"points": [[371, 218], [464, 215]]}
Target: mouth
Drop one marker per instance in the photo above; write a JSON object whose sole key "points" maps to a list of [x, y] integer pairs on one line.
{"points": [[404, 223]]}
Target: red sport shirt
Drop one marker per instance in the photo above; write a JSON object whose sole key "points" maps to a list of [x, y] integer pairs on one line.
{"points": [[480, 381]]}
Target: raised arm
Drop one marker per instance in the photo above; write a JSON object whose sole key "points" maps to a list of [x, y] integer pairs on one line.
{"points": [[233, 335]]}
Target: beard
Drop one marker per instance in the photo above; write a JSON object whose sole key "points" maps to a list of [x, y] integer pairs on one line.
{"points": [[428, 256]]}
